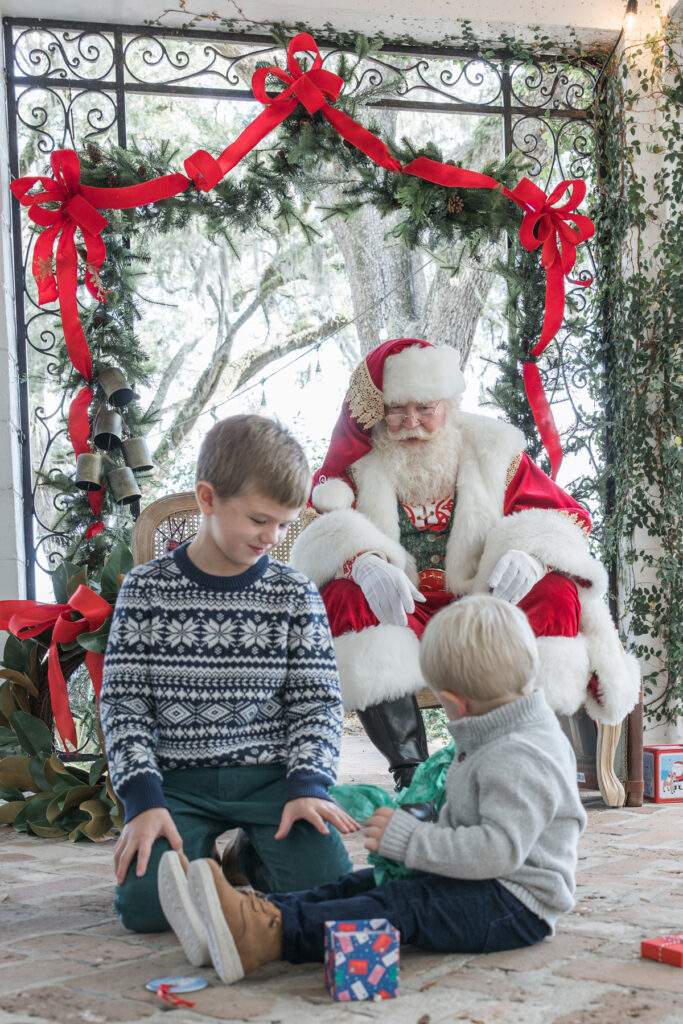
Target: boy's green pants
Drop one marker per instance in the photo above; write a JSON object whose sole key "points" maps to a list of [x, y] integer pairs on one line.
{"points": [[204, 802]]}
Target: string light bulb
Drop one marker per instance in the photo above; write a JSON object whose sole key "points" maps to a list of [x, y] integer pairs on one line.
{"points": [[318, 369], [263, 394]]}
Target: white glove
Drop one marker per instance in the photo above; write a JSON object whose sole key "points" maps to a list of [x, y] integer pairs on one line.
{"points": [[386, 588], [514, 575]]}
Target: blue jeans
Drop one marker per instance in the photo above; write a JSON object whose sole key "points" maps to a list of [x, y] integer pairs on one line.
{"points": [[447, 915]]}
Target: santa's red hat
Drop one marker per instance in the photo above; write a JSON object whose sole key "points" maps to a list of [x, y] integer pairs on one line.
{"points": [[401, 370]]}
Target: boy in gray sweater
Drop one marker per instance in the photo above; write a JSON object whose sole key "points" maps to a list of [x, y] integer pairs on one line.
{"points": [[497, 870]]}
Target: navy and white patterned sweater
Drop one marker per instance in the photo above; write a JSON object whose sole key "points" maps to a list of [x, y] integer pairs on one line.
{"points": [[205, 670]]}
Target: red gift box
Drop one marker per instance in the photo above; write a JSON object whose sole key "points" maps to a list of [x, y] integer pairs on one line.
{"points": [[663, 772], [667, 950]]}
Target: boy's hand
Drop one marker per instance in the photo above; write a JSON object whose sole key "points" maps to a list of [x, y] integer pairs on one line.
{"points": [[317, 811], [138, 837], [375, 827]]}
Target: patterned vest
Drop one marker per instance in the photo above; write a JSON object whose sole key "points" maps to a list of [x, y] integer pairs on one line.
{"points": [[427, 538]]}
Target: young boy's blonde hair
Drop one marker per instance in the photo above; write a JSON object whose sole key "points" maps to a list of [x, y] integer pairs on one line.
{"points": [[479, 647], [245, 453]]}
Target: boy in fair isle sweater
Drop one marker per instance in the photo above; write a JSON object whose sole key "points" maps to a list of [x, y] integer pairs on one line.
{"points": [[496, 871], [220, 704]]}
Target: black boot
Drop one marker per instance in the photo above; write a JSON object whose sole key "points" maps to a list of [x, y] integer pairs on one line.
{"points": [[396, 728]]}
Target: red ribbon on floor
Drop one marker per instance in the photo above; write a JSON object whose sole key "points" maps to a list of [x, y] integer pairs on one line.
{"points": [[315, 89], [167, 995], [26, 619]]}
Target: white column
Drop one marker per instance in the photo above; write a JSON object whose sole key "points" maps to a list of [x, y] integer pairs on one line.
{"points": [[646, 164], [12, 554]]}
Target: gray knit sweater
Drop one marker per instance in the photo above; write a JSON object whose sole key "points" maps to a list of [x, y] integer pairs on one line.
{"points": [[512, 810]]}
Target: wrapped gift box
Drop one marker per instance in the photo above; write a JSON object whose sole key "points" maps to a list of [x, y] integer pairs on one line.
{"points": [[663, 772], [361, 959], [668, 949]]}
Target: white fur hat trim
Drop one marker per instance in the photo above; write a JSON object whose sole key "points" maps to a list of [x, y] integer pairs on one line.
{"points": [[422, 375], [332, 495]]}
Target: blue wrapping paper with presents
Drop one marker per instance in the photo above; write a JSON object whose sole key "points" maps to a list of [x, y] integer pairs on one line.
{"points": [[361, 959]]}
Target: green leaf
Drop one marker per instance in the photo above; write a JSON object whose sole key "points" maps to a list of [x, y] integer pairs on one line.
{"points": [[60, 580], [37, 768], [17, 655], [97, 641], [120, 561], [10, 793], [32, 733], [96, 770]]}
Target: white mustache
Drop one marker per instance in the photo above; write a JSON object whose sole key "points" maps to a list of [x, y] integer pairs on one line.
{"points": [[406, 434]]}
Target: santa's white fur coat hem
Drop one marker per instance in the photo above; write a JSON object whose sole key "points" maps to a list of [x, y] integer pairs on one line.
{"points": [[381, 663]]}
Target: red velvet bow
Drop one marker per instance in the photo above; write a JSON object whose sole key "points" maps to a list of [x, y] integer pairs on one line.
{"points": [[315, 89], [547, 225], [30, 618]]}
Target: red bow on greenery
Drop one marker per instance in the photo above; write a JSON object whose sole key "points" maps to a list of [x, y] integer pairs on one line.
{"points": [[548, 225], [64, 207], [315, 89], [76, 208], [30, 618]]}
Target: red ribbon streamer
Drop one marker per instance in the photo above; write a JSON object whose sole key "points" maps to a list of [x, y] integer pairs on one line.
{"points": [[540, 408], [315, 89], [30, 618]]}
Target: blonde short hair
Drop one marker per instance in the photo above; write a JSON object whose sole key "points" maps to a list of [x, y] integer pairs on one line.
{"points": [[479, 647], [244, 453]]}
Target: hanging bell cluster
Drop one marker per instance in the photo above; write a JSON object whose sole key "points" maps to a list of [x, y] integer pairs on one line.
{"points": [[109, 435]]}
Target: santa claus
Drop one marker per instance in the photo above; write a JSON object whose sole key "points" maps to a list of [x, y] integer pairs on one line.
{"points": [[420, 504]]}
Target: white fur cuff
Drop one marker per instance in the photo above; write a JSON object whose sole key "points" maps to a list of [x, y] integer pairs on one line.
{"points": [[380, 663], [563, 671], [322, 548]]}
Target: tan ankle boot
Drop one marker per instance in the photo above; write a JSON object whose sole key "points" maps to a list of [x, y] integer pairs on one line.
{"points": [[244, 931], [179, 911]]}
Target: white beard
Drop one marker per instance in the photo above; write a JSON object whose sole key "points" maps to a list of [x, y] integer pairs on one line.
{"points": [[420, 473]]}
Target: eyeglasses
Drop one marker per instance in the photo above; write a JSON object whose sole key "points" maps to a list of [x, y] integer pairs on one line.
{"points": [[422, 413]]}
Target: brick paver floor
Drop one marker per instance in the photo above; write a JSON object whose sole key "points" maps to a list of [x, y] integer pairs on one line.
{"points": [[65, 958]]}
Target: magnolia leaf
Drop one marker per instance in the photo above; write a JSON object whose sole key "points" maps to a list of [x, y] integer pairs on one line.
{"points": [[60, 580], [8, 812], [20, 679], [74, 582], [16, 654], [73, 776], [15, 772], [32, 733], [48, 831], [96, 770], [55, 808], [37, 768], [97, 641], [100, 820], [8, 704], [33, 811], [120, 561], [77, 794], [10, 793], [21, 698]]}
